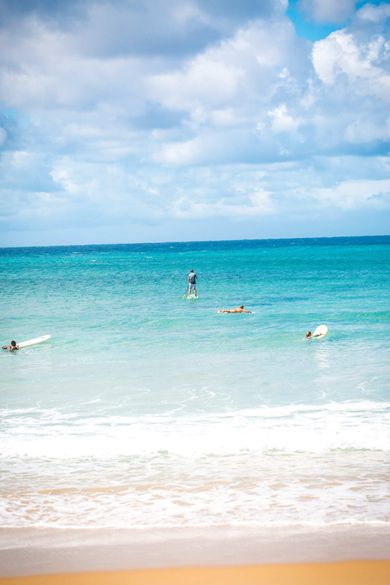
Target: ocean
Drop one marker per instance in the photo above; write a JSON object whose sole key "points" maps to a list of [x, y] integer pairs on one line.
{"points": [[148, 410]]}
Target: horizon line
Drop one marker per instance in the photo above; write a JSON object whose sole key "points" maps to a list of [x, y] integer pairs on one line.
{"points": [[194, 241]]}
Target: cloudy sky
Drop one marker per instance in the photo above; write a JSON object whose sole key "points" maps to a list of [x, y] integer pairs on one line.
{"points": [[162, 120]]}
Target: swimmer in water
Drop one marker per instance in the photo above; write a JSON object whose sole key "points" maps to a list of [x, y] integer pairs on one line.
{"points": [[240, 309], [12, 347]]}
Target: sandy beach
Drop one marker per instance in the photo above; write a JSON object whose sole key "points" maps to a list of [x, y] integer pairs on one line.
{"points": [[216, 556], [357, 573]]}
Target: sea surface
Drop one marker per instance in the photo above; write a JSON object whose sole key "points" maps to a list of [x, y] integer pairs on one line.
{"points": [[148, 410]]}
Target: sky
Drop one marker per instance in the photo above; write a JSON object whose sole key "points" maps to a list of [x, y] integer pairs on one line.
{"points": [[182, 120]]}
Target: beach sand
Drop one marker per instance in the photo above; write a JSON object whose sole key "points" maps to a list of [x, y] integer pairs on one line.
{"points": [[342, 573], [221, 556]]}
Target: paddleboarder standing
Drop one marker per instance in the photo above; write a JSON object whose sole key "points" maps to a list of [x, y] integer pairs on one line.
{"points": [[192, 282]]}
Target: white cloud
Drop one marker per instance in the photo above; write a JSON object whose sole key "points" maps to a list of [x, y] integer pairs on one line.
{"points": [[328, 11], [374, 14], [22, 159], [185, 13], [282, 121], [206, 148], [354, 194], [70, 82], [179, 153], [64, 179], [364, 130], [3, 136], [210, 80], [236, 70], [262, 200], [223, 117], [255, 204], [340, 58]]}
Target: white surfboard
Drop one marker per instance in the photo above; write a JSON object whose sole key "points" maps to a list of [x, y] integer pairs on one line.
{"points": [[33, 341], [320, 332]]}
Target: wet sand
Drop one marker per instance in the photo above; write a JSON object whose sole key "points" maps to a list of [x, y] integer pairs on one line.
{"points": [[215, 556], [342, 573]]}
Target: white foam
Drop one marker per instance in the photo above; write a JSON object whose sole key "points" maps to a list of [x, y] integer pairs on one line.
{"points": [[296, 428], [245, 491], [319, 464]]}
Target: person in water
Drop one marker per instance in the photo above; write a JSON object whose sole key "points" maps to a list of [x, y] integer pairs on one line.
{"points": [[12, 347], [308, 335], [240, 309], [192, 283]]}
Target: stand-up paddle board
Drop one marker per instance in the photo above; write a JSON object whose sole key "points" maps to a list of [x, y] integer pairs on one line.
{"points": [[320, 332], [191, 297], [33, 341]]}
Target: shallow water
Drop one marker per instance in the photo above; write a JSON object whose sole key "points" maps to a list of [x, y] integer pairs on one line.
{"points": [[145, 409]]}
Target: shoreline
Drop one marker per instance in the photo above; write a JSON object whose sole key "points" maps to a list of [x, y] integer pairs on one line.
{"points": [[39, 551]]}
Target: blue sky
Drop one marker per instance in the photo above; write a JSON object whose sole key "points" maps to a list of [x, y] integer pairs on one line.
{"points": [[161, 120]]}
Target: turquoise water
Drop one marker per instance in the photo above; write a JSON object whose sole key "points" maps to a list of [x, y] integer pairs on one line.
{"points": [[146, 409]]}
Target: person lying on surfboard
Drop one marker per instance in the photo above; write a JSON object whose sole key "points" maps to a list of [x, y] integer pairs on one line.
{"points": [[319, 333], [240, 309], [12, 347]]}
